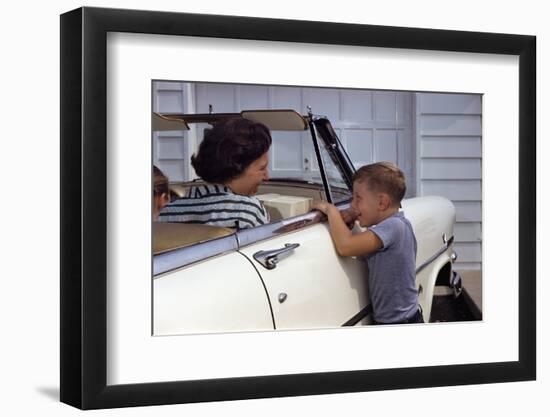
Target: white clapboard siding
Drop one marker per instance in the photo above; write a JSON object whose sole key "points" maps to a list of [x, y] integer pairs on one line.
{"points": [[451, 168], [449, 163], [468, 211], [452, 125], [451, 147], [469, 252], [461, 104], [468, 232], [455, 190]]}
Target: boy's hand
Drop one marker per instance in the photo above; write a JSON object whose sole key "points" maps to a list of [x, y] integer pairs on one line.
{"points": [[349, 216], [322, 206]]}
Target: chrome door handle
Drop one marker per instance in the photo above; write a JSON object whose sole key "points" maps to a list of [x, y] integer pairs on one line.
{"points": [[270, 258]]}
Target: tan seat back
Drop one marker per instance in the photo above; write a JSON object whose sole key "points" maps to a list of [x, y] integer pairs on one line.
{"points": [[170, 236]]}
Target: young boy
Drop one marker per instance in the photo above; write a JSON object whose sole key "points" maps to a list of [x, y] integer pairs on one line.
{"points": [[389, 244]]}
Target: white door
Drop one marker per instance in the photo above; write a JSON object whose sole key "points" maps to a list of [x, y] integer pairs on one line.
{"points": [[311, 286]]}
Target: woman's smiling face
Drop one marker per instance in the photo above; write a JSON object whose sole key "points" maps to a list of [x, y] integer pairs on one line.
{"points": [[248, 182]]}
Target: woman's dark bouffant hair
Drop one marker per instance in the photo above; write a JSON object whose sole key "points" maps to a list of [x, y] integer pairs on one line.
{"points": [[229, 148]]}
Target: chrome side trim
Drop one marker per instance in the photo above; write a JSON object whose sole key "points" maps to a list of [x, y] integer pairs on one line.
{"points": [[432, 258], [179, 258], [246, 237]]}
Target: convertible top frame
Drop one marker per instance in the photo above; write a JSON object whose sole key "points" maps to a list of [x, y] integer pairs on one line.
{"points": [[274, 119]]}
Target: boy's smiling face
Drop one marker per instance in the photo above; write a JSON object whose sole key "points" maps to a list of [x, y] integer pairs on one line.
{"points": [[368, 204]]}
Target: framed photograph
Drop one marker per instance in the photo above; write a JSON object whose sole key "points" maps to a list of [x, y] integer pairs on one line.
{"points": [[200, 158], [244, 223]]}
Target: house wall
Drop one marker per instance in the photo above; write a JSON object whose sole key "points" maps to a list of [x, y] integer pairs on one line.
{"points": [[449, 152]]}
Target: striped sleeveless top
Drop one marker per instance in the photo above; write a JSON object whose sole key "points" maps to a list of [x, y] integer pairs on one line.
{"points": [[216, 205]]}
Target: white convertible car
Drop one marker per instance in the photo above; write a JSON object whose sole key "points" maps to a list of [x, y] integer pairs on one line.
{"points": [[286, 274]]}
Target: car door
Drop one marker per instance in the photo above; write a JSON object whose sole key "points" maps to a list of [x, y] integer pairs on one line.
{"points": [[310, 286], [206, 288]]}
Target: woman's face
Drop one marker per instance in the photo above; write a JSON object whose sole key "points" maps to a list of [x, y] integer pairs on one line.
{"points": [[247, 183]]}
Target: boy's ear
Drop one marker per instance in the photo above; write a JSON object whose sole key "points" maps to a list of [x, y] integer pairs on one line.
{"points": [[384, 201]]}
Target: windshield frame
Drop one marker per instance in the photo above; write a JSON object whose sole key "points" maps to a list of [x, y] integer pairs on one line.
{"points": [[333, 147]]}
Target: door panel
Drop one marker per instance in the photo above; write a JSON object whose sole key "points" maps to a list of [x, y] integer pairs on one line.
{"points": [[320, 288], [219, 294]]}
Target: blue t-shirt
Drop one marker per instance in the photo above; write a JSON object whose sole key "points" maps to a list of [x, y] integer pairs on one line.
{"points": [[392, 271]]}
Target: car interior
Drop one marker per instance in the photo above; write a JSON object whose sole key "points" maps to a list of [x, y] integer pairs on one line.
{"points": [[283, 198]]}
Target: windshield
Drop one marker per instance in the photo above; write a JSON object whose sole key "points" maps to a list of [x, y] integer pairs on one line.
{"points": [[338, 186]]}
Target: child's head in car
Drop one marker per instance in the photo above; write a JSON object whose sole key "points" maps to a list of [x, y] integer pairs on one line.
{"points": [[161, 191]]}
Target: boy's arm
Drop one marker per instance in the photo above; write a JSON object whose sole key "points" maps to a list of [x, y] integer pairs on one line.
{"points": [[345, 242]]}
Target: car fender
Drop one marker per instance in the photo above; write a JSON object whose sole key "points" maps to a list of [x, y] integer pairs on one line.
{"points": [[432, 219], [425, 281]]}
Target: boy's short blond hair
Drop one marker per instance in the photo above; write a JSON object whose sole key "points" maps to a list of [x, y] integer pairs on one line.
{"points": [[384, 177]]}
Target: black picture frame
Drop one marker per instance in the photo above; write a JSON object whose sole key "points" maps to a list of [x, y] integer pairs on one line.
{"points": [[84, 206]]}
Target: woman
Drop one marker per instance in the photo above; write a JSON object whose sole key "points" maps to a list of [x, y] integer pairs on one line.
{"points": [[232, 160]]}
